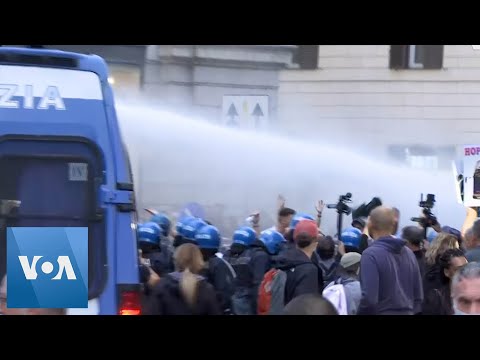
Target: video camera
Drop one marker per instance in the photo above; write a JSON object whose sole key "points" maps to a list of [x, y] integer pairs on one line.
{"points": [[364, 210], [427, 205], [341, 206]]}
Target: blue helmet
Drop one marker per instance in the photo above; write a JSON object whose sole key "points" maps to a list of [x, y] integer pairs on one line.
{"points": [[273, 241], [208, 237], [191, 227], [163, 221], [244, 236], [351, 237], [179, 227], [299, 217], [149, 233]]}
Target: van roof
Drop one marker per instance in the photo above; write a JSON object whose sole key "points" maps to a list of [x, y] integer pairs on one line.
{"points": [[54, 59]]}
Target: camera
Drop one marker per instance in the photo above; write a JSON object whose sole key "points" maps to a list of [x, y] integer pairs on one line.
{"points": [[427, 205], [364, 210], [341, 206]]}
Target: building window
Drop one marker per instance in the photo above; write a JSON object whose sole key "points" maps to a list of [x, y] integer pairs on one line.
{"points": [[306, 57], [416, 57], [422, 157]]}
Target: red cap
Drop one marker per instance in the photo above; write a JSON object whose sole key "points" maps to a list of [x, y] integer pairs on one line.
{"points": [[308, 227]]}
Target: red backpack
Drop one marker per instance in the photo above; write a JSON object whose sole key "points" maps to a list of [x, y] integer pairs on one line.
{"points": [[271, 293]]}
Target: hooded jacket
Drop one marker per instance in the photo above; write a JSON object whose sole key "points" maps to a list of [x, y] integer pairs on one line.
{"points": [[390, 279], [167, 298], [303, 276]]}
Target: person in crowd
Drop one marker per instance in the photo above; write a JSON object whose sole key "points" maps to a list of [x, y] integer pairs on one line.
{"points": [[351, 239], [261, 252], [240, 258], [327, 259], [456, 233], [178, 238], [465, 290], [442, 243], [390, 279], [348, 276], [473, 252], [155, 254], [165, 224], [284, 218], [309, 304], [185, 291], [468, 242], [291, 229], [217, 270], [414, 235], [438, 301], [303, 277], [319, 207]]}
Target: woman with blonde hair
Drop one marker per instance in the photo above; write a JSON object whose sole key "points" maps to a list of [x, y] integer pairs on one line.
{"points": [[437, 248], [184, 292]]}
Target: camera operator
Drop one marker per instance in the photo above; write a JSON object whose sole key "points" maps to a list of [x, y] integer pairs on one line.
{"points": [[360, 218]]}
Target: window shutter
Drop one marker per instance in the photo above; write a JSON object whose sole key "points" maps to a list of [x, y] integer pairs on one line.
{"points": [[398, 56], [433, 57], [307, 56]]}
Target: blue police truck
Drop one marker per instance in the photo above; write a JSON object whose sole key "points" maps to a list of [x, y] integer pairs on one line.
{"points": [[63, 163]]}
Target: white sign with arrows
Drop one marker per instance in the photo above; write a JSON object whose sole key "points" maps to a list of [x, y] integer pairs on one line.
{"points": [[245, 111]]}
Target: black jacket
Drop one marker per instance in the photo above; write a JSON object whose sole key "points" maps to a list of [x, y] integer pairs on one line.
{"points": [[420, 255], [303, 276], [431, 279], [438, 302], [167, 299], [220, 276], [239, 257], [161, 261]]}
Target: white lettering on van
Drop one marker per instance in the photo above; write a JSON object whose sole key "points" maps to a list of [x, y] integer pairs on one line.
{"points": [[7, 92], [50, 98], [28, 99]]}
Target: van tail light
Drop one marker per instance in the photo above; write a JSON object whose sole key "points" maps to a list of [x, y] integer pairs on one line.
{"points": [[129, 301]]}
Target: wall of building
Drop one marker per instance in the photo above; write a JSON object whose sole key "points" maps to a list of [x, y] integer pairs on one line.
{"points": [[194, 78], [356, 96]]}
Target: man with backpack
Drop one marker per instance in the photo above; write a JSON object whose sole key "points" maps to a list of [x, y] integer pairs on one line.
{"points": [[345, 292], [261, 251], [293, 274]]}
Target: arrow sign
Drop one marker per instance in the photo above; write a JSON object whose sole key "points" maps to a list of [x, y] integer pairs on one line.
{"points": [[257, 112], [232, 112]]}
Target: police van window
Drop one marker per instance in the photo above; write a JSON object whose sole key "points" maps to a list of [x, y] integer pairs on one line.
{"points": [[54, 191]]}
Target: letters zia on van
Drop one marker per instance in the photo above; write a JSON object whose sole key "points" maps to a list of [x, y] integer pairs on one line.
{"points": [[22, 97]]}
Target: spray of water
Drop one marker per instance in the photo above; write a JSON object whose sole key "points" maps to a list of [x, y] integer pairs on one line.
{"points": [[176, 160]]}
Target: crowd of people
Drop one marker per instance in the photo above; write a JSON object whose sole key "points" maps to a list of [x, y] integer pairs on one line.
{"points": [[371, 268]]}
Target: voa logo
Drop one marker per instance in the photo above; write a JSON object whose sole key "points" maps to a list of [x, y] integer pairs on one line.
{"points": [[30, 268]]}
